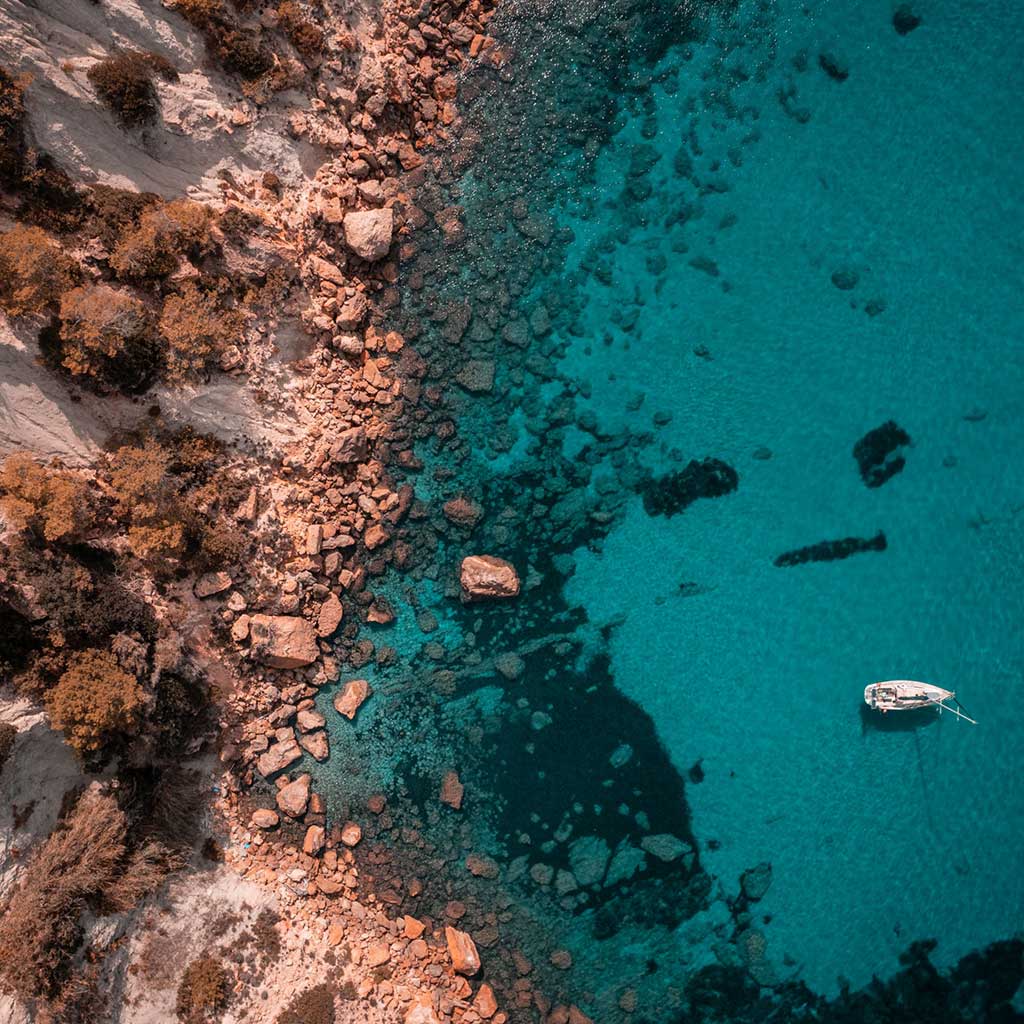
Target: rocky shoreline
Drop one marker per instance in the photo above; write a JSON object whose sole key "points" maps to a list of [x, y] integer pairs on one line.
{"points": [[468, 855]]}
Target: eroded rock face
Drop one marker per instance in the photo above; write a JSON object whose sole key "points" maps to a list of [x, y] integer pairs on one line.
{"points": [[484, 576], [462, 950], [368, 233], [351, 698], [283, 641], [293, 799]]}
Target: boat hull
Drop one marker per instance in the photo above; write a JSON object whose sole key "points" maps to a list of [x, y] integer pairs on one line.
{"points": [[904, 695]]}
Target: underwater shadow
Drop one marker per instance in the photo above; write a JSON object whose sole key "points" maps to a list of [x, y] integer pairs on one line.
{"points": [[899, 721]]}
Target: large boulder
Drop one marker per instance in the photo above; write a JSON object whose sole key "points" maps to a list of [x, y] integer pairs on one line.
{"points": [[293, 799], [462, 950], [484, 576], [350, 446], [283, 641], [331, 613], [368, 233], [278, 757]]}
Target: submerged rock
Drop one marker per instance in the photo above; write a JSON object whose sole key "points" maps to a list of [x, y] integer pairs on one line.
{"points": [[452, 790], [351, 698], [756, 881], [669, 494], [283, 641], [832, 550], [833, 66], [904, 20], [665, 847], [484, 576], [879, 453]]}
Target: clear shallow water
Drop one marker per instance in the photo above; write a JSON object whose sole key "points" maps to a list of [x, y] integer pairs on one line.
{"points": [[907, 172], [713, 218]]}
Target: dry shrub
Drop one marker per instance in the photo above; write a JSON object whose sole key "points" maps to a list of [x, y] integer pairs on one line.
{"points": [[115, 211], [8, 734], [314, 1006], [49, 197], [34, 272], [39, 929], [203, 990], [196, 330], [105, 335], [52, 503], [12, 126], [302, 33], [238, 49], [165, 233], [124, 82], [95, 701]]}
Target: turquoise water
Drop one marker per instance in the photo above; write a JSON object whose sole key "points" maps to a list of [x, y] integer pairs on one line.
{"points": [[907, 171], [653, 260]]}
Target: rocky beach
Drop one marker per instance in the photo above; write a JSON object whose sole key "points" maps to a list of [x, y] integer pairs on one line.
{"points": [[341, 454]]}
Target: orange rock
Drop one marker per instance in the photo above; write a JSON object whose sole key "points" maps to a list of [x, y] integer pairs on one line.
{"points": [[335, 933], [462, 950], [379, 953], [452, 790], [485, 1004], [413, 928]]}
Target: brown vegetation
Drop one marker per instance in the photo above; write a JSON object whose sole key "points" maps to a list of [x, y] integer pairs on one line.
{"points": [[165, 233], [238, 49], [40, 929], [95, 701], [105, 335], [203, 990], [34, 272], [124, 82], [8, 734], [49, 197], [302, 33], [314, 1006], [196, 330], [52, 503]]}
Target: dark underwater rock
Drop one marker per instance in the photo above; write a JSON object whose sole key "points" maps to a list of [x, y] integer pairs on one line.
{"points": [[834, 66], [904, 20], [845, 279], [832, 550], [879, 453], [669, 494], [756, 881]]}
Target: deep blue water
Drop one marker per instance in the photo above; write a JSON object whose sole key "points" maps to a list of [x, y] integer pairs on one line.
{"points": [[689, 269]]}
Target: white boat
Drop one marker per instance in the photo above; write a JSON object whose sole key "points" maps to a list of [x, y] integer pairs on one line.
{"points": [[906, 694]]}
